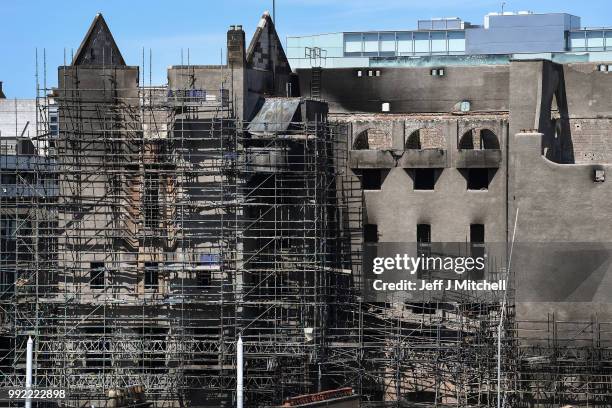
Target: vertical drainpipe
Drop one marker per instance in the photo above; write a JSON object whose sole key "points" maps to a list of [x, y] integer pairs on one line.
{"points": [[239, 374], [28, 384]]}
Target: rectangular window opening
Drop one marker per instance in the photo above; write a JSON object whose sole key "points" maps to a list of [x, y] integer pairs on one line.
{"points": [[151, 200], [423, 245], [477, 243], [151, 275], [370, 233], [96, 275], [477, 233], [371, 179], [478, 179], [424, 233], [424, 179]]}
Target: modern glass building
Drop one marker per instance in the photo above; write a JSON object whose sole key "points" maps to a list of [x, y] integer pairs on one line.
{"points": [[501, 37]]}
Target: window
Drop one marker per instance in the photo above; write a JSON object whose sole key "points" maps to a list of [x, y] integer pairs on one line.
{"points": [[8, 227], [577, 40], [370, 44], [423, 244], [352, 44], [8, 179], [404, 43], [421, 43], [477, 239], [424, 179], [370, 233], [478, 179], [205, 278], [371, 179], [151, 278], [438, 42], [424, 233], [387, 44], [97, 273], [456, 41], [477, 233], [437, 72], [151, 200], [595, 40]]}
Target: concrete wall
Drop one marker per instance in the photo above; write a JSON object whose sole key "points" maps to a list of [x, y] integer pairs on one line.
{"points": [[450, 208], [591, 140], [560, 204], [412, 89]]}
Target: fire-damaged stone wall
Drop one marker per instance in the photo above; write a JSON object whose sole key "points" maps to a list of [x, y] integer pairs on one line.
{"points": [[592, 140]]}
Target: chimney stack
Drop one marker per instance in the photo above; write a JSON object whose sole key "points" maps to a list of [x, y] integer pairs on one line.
{"points": [[236, 46]]}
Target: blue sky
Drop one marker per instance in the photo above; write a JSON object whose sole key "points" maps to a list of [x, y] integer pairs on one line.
{"points": [[200, 26]]}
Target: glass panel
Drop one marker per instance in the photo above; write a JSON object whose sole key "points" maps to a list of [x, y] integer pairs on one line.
{"points": [[595, 39], [404, 43], [370, 43], [387, 42], [438, 42], [577, 40], [456, 41], [352, 43], [608, 40], [421, 42]]}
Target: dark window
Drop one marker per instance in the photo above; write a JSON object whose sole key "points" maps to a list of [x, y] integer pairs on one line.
{"points": [[371, 179], [151, 201], [478, 179], [26, 147], [151, 278], [370, 233], [206, 262], [477, 233], [423, 233], [9, 179], [477, 239], [204, 278], [424, 179], [423, 244], [96, 273], [8, 227]]}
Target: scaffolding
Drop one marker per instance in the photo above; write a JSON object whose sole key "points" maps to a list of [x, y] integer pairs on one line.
{"points": [[153, 227], [170, 229]]}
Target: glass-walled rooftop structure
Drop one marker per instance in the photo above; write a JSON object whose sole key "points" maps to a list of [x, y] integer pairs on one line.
{"points": [[514, 35], [590, 39], [404, 43]]}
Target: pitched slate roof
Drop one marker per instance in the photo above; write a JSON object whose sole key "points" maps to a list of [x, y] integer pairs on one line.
{"points": [[98, 46]]}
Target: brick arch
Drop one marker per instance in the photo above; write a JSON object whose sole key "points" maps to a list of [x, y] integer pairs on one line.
{"points": [[361, 141], [372, 138], [479, 139], [425, 138]]}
